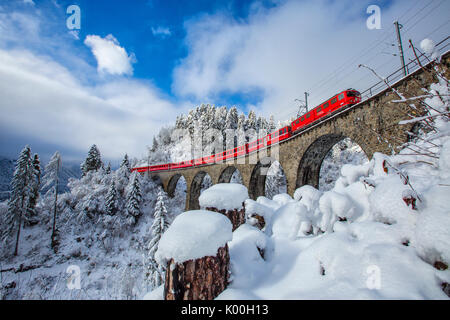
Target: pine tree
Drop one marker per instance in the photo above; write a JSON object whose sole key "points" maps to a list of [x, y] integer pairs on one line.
{"points": [[134, 198], [20, 194], [122, 177], [35, 183], [231, 121], [154, 145], [50, 179], [159, 226], [93, 161], [251, 120], [108, 168], [272, 125], [125, 162], [111, 199]]}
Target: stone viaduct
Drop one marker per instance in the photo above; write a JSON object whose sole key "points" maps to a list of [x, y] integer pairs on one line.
{"points": [[373, 124]]}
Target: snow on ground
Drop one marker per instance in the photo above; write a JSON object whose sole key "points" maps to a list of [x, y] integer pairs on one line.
{"points": [[344, 152], [365, 242]]}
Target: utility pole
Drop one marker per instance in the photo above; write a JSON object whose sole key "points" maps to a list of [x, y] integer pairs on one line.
{"points": [[400, 46], [303, 106], [306, 100]]}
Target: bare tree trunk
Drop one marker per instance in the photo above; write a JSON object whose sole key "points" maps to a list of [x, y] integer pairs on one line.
{"points": [[200, 279], [16, 250], [54, 244]]}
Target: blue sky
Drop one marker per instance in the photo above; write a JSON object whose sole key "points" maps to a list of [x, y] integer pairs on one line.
{"points": [[135, 65], [137, 26]]}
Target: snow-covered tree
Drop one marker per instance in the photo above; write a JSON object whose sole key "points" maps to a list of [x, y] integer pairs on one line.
{"points": [[231, 121], [30, 217], [154, 145], [111, 199], [122, 178], [271, 124], [20, 194], [50, 180], [251, 120], [93, 161], [108, 168], [155, 272], [134, 199], [125, 162]]}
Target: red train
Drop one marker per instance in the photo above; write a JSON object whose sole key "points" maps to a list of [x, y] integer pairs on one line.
{"points": [[342, 99]]}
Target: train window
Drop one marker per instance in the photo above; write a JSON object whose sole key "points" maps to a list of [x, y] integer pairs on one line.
{"points": [[326, 105], [352, 93], [298, 121], [341, 96], [302, 118], [333, 101], [319, 109], [308, 115]]}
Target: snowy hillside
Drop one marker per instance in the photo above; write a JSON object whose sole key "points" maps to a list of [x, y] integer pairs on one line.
{"points": [[109, 250]]}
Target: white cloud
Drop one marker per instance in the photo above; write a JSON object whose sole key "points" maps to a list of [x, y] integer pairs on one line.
{"points": [[43, 99], [29, 2], [285, 50], [161, 31], [111, 57]]}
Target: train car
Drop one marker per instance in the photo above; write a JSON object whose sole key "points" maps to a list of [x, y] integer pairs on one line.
{"points": [[182, 164], [161, 167], [342, 99], [198, 162], [279, 135], [303, 121], [140, 169], [257, 144], [229, 154], [241, 151], [209, 159]]}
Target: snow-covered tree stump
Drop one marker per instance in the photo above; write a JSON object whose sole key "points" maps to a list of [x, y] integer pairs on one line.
{"points": [[227, 199], [195, 250], [199, 279]]}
